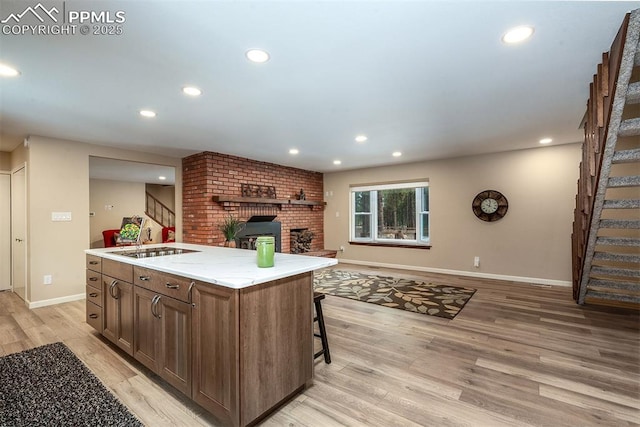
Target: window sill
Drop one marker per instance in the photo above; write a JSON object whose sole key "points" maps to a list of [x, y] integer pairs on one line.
{"points": [[391, 245]]}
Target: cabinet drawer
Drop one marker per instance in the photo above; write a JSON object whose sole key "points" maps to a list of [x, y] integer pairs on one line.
{"points": [[94, 295], [94, 263], [93, 279], [162, 283], [94, 316], [118, 270]]}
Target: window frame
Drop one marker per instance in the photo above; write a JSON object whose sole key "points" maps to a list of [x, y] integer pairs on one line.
{"points": [[419, 241]]}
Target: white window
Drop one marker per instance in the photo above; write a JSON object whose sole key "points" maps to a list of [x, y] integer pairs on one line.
{"points": [[392, 213]]}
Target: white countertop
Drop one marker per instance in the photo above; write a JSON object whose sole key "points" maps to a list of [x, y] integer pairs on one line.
{"points": [[230, 267]]}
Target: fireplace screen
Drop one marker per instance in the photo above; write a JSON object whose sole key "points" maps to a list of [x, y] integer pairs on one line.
{"points": [[258, 226]]}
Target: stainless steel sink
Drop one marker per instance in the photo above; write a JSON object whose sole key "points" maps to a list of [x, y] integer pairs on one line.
{"points": [[154, 252]]}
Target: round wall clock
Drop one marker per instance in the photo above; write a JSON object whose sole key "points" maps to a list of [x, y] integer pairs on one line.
{"points": [[490, 205]]}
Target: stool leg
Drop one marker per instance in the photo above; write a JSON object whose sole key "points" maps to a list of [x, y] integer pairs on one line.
{"points": [[323, 332]]}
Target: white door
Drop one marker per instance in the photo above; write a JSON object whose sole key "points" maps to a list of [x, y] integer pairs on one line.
{"points": [[5, 231], [19, 231]]}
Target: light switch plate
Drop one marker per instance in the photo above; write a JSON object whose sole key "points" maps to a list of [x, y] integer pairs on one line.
{"points": [[60, 216]]}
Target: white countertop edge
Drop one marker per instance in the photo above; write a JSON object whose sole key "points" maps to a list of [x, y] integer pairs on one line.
{"points": [[233, 268]]}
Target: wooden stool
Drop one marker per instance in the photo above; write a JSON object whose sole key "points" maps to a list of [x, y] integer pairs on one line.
{"points": [[317, 298]]}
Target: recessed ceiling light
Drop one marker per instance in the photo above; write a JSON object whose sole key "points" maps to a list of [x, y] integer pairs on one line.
{"points": [[191, 91], [361, 138], [162, 178], [294, 151], [147, 113], [546, 141], [7, 71], [337, 162], [257, 55], [517, 34], [396, 154]]}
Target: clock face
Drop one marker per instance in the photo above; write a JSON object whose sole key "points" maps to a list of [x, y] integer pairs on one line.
{"points": [[490, 205]]}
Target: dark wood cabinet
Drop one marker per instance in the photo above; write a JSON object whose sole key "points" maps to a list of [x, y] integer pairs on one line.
{"points": [[215, 367], [162, 341], [238, 353], [118, 312], [94, 292]]}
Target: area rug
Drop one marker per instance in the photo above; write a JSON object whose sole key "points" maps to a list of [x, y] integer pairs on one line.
{"points": [[50, 386], [404, 294]]}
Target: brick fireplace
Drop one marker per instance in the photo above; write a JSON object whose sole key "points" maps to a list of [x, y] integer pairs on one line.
{"points": [[209, 174]]}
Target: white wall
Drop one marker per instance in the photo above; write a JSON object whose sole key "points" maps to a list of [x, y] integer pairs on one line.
{"points": [[532, 242]]}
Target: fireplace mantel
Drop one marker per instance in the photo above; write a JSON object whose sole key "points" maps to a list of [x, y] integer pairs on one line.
{"points": [[265, 201]]}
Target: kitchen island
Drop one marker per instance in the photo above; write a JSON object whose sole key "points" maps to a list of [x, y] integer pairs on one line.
{"points": [[237, 339]]}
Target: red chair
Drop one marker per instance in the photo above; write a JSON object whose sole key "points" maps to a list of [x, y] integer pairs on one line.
{"points": [[109, 237], [165, 234]]}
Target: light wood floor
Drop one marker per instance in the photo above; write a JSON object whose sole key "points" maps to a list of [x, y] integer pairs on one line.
{"points": [[516, 355]]}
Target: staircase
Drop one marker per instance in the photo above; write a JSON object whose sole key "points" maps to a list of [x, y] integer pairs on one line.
{"points": [[159, 212], [606, 228]]}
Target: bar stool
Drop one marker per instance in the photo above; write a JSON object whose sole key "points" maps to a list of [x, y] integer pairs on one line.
{"points": [[317, 298]]}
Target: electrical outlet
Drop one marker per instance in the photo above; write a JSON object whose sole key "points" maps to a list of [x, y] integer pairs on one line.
{"points": [[337, 214], [476, 262], [48, 279], [341, 248]]}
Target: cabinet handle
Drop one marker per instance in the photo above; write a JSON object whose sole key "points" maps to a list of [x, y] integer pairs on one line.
{"points": [[93, 262], [145, 278], [93, 294], [93, 316], [170, 286], [112, 288], [93, 279], [189, 292], [154, 306]]}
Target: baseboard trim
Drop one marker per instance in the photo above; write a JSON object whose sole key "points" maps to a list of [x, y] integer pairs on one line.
{"points": [[527, 280], [54, 301]]}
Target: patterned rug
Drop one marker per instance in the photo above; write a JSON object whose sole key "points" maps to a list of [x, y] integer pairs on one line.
{"points": [[50, 386], [405, 294]]}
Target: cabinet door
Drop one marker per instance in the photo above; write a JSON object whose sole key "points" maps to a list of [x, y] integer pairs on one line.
{"points": [[174, 342], [146, 328], [118, 312], [215, 351]]}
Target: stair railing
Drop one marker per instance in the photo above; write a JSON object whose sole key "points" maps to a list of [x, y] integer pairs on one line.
{"points": [[597, 145], [159, 212]]}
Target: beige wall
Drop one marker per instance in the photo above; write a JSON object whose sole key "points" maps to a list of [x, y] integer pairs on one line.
{"points": [[532, 242], [58, 180], [5, 161], [124, 198]]}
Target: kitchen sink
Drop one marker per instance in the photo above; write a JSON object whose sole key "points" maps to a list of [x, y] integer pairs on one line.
{"points": [[154, 252]]}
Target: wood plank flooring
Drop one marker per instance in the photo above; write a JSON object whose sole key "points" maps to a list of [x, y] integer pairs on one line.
{"points": [[517, 355]]}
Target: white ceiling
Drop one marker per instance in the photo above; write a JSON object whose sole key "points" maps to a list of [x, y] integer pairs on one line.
{"points": [[428, 78], [122, 170]]}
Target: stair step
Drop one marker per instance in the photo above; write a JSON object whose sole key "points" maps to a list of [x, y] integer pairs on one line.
{"points": [[629, 127], [613, 297], [625, 156], [615, 284], [621, 204], [618, 241], [624, 181], [619, 257], [613, 271], [620, 223], [633, 93]]}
